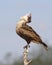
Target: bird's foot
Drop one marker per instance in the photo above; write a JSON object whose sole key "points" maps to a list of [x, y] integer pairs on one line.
{"points": [[26, 46]]}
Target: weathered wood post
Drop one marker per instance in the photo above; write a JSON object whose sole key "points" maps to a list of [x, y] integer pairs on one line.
{"points": [[25, 55]]}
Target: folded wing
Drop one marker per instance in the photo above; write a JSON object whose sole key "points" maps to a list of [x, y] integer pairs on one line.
{"points": [[29, 32]]}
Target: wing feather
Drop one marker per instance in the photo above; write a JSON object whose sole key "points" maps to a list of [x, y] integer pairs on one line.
{"points": [[27, 30]]}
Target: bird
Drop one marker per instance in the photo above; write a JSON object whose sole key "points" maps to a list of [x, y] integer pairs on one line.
{"points": [[26, 32]]}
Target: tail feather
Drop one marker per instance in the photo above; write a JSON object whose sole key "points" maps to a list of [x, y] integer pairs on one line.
{"points": [[45, 45]]}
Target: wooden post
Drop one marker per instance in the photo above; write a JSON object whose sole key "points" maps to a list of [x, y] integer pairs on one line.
{"points": [[25, 55]]}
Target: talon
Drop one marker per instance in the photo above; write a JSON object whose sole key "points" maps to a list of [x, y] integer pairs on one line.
{"points": [[26, 46], [29, 46]]}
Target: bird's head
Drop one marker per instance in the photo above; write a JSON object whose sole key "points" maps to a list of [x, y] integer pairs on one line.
{"points": [[26, 18]]}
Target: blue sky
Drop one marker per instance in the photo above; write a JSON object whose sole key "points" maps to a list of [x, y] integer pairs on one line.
{"points": [[10, 12]]}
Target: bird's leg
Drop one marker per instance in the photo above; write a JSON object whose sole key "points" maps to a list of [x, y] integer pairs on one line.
{"points": [[27, 46]]}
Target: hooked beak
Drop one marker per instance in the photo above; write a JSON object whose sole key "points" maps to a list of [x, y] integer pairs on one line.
{"points": [[29, 18]]}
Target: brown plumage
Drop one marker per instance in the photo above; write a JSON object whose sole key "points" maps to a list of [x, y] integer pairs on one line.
{"points": [[26, 32]]}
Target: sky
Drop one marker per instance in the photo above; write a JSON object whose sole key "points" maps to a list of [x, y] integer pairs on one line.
{"points": [[10, 13]]}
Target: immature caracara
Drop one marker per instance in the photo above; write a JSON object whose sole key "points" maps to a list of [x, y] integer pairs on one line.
{"points": [[26, 32]]}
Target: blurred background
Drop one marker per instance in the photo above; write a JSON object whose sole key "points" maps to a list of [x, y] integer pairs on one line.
{"points": [[11, 45]]}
